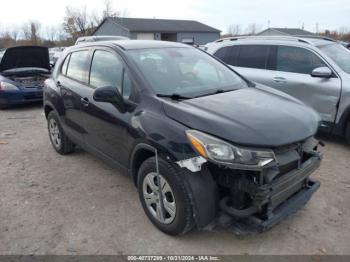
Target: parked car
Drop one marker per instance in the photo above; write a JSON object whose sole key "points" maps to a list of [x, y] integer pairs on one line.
{"points": [[88, 39], [345, 44], [312, 69], [1, 54], [23, 71], [197, 139]]}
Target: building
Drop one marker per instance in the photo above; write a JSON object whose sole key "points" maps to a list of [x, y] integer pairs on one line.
{"points": [[185, 31], [284, 32]]}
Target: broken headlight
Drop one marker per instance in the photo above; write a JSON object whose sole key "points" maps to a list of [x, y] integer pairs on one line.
{"points": [[220, 151]]}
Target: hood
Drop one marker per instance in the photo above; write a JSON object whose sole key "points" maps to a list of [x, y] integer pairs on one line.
{"points": [[249, 116], [25, 56]]}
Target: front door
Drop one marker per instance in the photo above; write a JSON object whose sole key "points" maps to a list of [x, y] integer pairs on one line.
{"points": [[106, 128], [293, 76]]}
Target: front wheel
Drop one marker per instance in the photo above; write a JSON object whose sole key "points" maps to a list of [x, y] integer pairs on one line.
{"points": [[164, 197]]}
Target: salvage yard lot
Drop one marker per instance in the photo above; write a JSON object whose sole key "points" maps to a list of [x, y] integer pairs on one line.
{"points": [[53, 204]]}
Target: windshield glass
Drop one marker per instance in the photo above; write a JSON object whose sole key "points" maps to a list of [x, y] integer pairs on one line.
{"points": [[184, 71], [339, 54]]}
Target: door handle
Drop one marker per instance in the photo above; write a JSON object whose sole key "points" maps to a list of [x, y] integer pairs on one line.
{"points": [[85, 101], [58, 83], [280, 80]]}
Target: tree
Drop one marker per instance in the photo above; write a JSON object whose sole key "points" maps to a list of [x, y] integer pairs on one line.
{"points": [[234, 30], [253, 28], [75, 22], [108, 10], [31, 32]]}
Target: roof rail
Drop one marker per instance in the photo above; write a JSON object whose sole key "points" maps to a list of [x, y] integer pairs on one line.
{"points": [[285, 38], [317, 37]]}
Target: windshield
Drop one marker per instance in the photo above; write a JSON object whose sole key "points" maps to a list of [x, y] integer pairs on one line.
{"points": [[339, 54], [184, 71]]}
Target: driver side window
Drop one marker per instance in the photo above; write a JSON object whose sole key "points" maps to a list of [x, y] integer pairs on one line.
{"points": [[107, 70], [297, 60]]}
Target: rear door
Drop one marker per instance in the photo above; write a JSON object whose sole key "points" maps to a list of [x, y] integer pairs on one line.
{"points": [[72, 82], [292, 74], [249, 60], [106, 127]]}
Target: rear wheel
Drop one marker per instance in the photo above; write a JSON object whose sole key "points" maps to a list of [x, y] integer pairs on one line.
{"points": [[58, 138], [164, 198]]}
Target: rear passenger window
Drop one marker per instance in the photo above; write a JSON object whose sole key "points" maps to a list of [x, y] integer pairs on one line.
{"points": [[297, 60], [228, 54], [106, 70], [253, 56], [76, 67]]}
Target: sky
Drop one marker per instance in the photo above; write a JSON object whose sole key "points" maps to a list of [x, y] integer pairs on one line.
{"points": [[328, 14]]}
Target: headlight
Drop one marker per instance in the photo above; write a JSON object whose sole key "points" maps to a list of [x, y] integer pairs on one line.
{"points": [[220, 151], [7, 86]]}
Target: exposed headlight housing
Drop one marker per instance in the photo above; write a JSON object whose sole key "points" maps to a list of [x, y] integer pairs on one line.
{"points": [[225, 153], [7, 86]]}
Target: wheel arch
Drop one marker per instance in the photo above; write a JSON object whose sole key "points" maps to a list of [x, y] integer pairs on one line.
{"points": [[47, 109]]}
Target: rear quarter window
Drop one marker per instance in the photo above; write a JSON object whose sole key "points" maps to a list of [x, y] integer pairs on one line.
{"points": [[228, 54]]}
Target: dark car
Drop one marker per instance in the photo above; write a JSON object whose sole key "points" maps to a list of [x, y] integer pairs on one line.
{"points": [[199, 141], [23, 71]]}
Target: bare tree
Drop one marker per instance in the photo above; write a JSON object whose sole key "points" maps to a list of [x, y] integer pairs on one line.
{"points": [[234, 29], [76, 22], [31, 32], [108, 10], [51, 33], [14, 33], [253, 28]]}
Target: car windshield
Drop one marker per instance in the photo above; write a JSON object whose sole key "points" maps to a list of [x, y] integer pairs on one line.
{"points": [[186, 72], [339, 54]]}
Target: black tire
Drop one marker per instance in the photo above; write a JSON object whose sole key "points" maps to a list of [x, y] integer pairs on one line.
{"points": [[65, 146], [347, 133], [183, 221]]}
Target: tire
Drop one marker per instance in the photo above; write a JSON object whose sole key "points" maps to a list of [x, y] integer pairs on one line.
{"points": [[347, 133], [59, 140], [174, 194]]}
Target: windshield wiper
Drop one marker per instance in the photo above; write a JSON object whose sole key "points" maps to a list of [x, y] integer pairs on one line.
{"points": [[174, 96]]}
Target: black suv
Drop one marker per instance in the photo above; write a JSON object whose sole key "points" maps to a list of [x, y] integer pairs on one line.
{"points": [[202, 144]]}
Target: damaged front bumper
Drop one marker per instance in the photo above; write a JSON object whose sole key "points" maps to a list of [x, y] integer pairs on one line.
{"points": [[254, 200], [275, 201]]}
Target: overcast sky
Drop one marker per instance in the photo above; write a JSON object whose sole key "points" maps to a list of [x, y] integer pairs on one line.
{"points": [[329, 14]]}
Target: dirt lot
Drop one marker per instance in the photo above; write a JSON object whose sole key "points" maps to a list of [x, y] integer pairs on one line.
{"points": [[52, 204]]}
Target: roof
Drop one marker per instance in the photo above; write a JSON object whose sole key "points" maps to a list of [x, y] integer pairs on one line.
{"points": [[134, 44], [160, 25], [289, 31]]}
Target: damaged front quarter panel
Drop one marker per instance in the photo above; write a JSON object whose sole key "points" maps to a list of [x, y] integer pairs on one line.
{"points": [[193, 164]]}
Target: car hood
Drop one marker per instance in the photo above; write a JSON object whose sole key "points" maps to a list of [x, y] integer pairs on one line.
{"points": [[25, 56], [249, 116]]}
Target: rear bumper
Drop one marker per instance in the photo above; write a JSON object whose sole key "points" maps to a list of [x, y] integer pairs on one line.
{"points": [[8, 98]]}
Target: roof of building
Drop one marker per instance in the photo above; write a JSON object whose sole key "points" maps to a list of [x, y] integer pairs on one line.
{"points": [[160, 25], [289, 31]]}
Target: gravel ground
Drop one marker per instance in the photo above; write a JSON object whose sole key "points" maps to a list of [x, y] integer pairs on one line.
{"points": [[52, 204]]}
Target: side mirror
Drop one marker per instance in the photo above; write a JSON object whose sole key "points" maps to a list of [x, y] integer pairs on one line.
{"points": [[322, 72], [111, 95]]}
